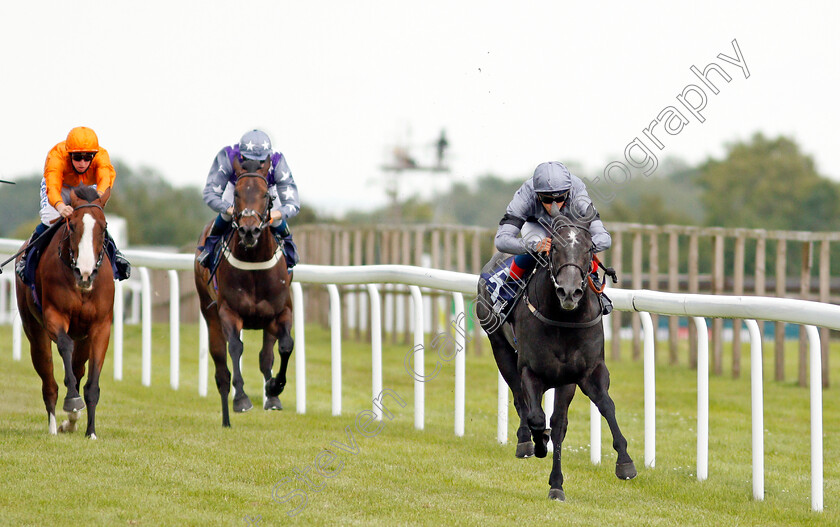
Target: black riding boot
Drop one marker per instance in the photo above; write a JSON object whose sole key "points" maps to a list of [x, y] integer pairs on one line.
{"points": [[284, 238], [119, 264], [220, 226], [32, 251]]}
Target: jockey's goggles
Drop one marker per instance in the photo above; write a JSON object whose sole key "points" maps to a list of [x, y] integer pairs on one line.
{"points": [[553, 197], [82, 156]]}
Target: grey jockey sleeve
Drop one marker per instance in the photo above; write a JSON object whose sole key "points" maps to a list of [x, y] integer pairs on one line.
{"points": [[286, 189], [508, 240], [217, 180]]}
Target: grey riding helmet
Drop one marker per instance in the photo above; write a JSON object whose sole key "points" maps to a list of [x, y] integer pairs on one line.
{"points": [[552, 181], [255, 145]]}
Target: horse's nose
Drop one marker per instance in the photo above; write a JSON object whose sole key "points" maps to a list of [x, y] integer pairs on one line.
{"points": [[561, 292], [577, 294]]}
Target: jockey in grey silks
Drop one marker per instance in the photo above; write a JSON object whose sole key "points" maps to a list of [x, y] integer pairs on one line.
{"points": [[218, 193], [524, 231]]}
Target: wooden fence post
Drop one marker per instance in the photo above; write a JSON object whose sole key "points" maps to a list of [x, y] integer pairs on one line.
{"points": [[781, 276]]}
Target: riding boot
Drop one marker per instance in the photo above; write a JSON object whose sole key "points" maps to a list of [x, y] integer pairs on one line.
{"points": [[605, 300], [119, 264], [220, 226], [284, 239], [31, 253]]}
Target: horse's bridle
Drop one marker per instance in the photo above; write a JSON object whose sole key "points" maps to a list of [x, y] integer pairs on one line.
{"points": [[73, 263], [265, 217], [583, 273]]}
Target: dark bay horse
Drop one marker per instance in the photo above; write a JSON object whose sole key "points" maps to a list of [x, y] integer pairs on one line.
{"points": [[72, 305], [250, 290], [559, 343]]}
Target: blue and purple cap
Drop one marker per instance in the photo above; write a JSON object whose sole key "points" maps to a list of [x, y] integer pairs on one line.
{"points": [[255, 145]]}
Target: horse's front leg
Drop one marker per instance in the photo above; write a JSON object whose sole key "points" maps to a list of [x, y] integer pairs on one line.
{"points": [[270, 402], [533, 389], [81, 351], [275, 386], [596, 387], [73, 401], [231, 327], [559, 423], [97, 347]]}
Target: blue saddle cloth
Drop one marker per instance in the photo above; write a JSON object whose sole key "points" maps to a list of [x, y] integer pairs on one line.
{"points": [[503, 291]]}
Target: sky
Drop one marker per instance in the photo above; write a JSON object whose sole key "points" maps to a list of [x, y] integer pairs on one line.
{"points": [[337, 85]]}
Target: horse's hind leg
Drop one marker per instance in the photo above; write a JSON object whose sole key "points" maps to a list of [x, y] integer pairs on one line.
{"points": [[40, 349], [596, 387], [505, 357], [275, 386], [270, 402], [559, 423], [532, 391], [73, 401]]}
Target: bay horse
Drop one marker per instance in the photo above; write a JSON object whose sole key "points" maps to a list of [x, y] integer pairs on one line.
{"points": [[250, 290], [72, 304], [554, 338]]}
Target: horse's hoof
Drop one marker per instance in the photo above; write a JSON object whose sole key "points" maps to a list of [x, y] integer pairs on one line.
{"points": [[525, 449], [625, 470], [242, 404], [92, 437], [557, 494], [541, 443], [272, 403], [74, 416], [74, 404], [273, 388], [67, 427]]}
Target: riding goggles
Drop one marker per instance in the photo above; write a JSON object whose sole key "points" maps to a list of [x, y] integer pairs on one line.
{"points": [[82, 156], [553, 197]]}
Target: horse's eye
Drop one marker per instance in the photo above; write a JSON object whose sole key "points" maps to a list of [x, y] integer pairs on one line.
{"points": [[236, 194]]}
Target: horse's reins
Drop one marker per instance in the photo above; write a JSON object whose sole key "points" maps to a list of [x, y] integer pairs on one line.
{"points": [[73, 258], [247, 213], [584, 275], [265, 219]]}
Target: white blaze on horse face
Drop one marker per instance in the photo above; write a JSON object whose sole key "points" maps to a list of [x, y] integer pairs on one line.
{"points": [[86, 260], [572, 237]]}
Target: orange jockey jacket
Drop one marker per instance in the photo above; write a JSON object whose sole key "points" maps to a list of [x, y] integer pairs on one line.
{"points": [[58, 171]]}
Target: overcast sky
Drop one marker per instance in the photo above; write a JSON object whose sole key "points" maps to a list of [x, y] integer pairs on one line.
{"points": [[337, 84]]}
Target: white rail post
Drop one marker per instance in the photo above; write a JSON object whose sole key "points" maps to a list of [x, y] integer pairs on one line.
{"points": [[203, 352], [702, 398], [460, 362], [650, 390], [757, 398], [418, 359], [147, 326], [816, 418], [594, 434], [300, 348], [502, 420], [376, 346], [17, 325], [119, 315], [335, 347], [174, 329]]}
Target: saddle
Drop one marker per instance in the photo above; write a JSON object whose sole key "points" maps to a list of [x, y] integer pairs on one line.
{"points": [[286, 243]]}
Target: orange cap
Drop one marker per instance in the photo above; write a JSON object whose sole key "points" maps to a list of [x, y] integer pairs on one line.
{"points": [[82, 139]]}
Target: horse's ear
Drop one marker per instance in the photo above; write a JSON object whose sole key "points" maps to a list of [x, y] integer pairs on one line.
{"points": [[265, 167], [74, 200], [237, 166], [103, 199]]}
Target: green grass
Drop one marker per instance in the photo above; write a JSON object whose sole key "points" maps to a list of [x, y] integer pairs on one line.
{"points": [[162, 457]]}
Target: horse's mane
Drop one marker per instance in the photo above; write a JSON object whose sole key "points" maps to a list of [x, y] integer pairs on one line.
{"points": [[87, 193]]}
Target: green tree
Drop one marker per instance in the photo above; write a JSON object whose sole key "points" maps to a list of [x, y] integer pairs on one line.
{"points": [[767, 183]]}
